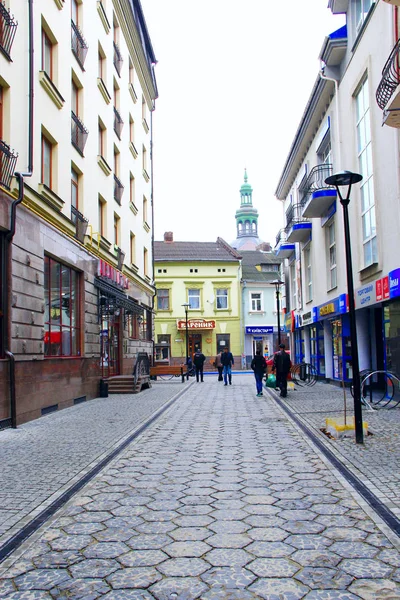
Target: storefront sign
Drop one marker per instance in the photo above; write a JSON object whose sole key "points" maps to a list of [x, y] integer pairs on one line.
{"points": [[308, 318], [343, 303], [196, 324], [366, 295], [394, 286], [108, 272], [337, 306], [258, 330], [290, 322], [327, 309]]}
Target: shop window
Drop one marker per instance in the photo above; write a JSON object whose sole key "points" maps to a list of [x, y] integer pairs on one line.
{"points": [[146, 326], [163, 299], [133, 326], [223, 341], [194, 299], [299, 346], [222, 298], [62, 318], [163, 348], [342, 363], [317, 350], [255, 302]]}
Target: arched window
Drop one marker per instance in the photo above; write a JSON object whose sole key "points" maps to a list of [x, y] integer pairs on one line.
{"points": [[240, 227], [253, 227], [247, 226]]}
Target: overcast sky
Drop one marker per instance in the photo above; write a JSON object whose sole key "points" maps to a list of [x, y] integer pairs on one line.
{"points": [[234, 77]]}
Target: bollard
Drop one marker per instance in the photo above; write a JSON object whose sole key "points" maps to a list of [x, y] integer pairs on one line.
{"points": [[103, 389]]}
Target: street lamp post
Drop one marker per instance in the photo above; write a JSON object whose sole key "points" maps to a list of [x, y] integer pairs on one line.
{"points": [[347, 178], [186, 306], [277, 283]]}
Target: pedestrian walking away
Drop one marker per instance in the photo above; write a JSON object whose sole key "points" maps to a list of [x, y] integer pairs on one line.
{"points": [[281, 365], [219, 366], [259, 365], [198, 360], [227, 364]]}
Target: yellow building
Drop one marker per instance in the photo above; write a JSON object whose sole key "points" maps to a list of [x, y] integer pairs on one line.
{"points": [[205, 276]]}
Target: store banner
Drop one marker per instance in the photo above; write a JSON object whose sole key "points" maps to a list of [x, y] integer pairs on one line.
{"points": [[394, 286], [259, 330], [366, 295]]}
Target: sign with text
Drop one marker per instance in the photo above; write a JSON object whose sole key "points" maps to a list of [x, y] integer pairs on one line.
{"points": [[366, 295], [108, 272], [258, 330], [196, 324], [394, 286]]}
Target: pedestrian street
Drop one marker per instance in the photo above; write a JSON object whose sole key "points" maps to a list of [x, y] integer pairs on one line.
{"points": [[222, 497]]}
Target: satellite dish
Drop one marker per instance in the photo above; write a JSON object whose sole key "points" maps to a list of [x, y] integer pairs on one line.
{"points": [[211, 298]]}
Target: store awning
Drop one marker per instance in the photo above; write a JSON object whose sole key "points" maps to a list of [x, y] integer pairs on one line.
{"points": [[118, 296]]}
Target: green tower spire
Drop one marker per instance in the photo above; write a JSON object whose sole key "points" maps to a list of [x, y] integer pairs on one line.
{"points": [[246, 216]]}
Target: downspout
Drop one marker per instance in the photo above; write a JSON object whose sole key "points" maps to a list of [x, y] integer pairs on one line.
{"points": [[152, 228], [335, 81], [10, 234]]}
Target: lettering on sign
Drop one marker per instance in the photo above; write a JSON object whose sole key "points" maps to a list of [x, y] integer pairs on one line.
{"points": [[196, 324], [327, 309], [108, 272]]}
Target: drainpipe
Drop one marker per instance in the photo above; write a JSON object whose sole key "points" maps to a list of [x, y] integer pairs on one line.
{"points": [[152, 228], [10, 234], [335, 81]]}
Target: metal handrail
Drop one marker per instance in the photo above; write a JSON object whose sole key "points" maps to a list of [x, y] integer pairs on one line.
{"points": [[315, 181], [293, 216], [118, 189], [118, 122], [8, 160], [118, 60], [78, 44], [390, 77], [281, 237], [79, 133], [8, 29]]}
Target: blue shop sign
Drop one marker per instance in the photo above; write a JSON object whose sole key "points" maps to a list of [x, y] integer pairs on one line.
{"points": [[394, 286], [258, 330], [337, 306]]}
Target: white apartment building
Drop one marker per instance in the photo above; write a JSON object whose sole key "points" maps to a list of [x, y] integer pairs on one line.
{"points": [[77, 91], [344, 128]]}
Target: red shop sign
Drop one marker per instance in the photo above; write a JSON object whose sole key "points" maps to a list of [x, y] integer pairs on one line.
{"points": [[109, 272], [196, 324]]}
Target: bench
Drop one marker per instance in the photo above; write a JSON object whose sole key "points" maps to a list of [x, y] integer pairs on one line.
{"points": [[173, 370]]}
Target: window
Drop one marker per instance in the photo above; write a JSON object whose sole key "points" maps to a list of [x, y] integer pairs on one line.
{"points": [[362, 9], [194, 299], [131, 189], [293, 286], [1, 112], [162, 299], [131, 73], [364, 150], [74, 98], [74, 189], [325, 152], [144, 159], [102, 140], [163, 347], [223, 341], [307, 262], [74, 11], [255, 302], [102, 210], [144, 209], [61, 289], [222, 298], [131, 130], [116, 230], [47, 160], [145, 262], [101, 64], [331, 245], [47, 55], [133, 248], [133, 326]]}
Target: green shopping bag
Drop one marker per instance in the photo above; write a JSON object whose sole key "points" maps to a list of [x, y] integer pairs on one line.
{"points": [[270, 381]]}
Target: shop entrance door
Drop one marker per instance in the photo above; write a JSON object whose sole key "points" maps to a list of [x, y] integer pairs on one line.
{"points": [[110, 346], [194, 343]]}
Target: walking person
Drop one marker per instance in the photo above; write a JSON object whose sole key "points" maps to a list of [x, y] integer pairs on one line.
{"points": [[259, 365], [198, 360], [227, 364], [219, 366], [281, 365]]}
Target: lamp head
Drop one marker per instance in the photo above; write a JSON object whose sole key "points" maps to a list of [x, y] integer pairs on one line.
{"points": [[343, 178]]}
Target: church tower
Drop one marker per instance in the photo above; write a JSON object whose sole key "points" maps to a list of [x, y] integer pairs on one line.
{"points": [[246, 220]]}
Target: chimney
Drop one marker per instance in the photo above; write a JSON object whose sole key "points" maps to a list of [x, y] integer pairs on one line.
{"points": [[168, 236]]}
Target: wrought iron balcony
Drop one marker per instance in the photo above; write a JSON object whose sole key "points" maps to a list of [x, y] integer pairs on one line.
{"points": [[118, 123], [81, 224], [8, 29], [118, 60], [282, 248], [316, 196], [8, 160], [78, 44], [387, 99], [79, 133], [118, 190], [298, 229]]}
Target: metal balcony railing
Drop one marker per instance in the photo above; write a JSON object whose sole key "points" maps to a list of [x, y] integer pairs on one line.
{"points": [[8, 29], [79, 133], [81, 224], [118, 190], [293, 216], [118, 123], [390, 77], [281, 237], [78, 44], [315, 181], [118, 60], [8, 160]]}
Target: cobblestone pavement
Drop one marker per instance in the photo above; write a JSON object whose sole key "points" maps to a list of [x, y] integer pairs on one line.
{"points": [[40, 459], [377, 461], [223, 497]]}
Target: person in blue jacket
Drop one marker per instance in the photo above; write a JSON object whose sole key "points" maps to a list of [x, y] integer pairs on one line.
{"points": [[259, 366], [227, 364]]}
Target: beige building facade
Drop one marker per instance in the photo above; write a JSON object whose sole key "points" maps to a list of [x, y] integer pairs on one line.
{"points": [[77, 91]]}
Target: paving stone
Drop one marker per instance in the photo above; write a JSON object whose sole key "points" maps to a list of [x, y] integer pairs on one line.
{"points": [[114, 534], [83, 528], [58, 560], [279, 589], [229, 526], [193, 521], [96, 568], [365, 568], [148, 542], [105, 550], [128, 595], [270, 549], [187, 549], [221, 593], [354, 550], [268, 534], [70, 542], [182, 588], [330, 595], [227, 557], [81, 589], [29, 595], [324, 578], [183, 567], [184, 534], [133, 577], [142, 558], [377, 589], [316, 558], [392, 557], [156, 527], [41, 579], [229, 577]]}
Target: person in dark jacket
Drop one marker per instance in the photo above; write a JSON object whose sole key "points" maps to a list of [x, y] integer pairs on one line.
{"points": [[281, 365], [198, 360], [227, 363], [219, 366], [259, 365]]}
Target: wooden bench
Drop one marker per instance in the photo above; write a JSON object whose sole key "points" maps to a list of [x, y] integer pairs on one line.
{"points": [[173, 370]]}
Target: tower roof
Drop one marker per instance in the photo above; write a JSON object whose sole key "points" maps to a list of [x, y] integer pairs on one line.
{"points": [[246, 188]]}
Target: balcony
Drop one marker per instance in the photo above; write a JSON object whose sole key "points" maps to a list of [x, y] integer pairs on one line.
{"points": [[118, 123], [118, 60], [81, 224], [8, 29], [298, 229], [78, 45], [8, 160], [282, 248], [388, 92], [118, 190], [316, 196], [79, 133]]}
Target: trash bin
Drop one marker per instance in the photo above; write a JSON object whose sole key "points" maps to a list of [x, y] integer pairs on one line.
{"points": [[103, 389], [303, 372]]}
